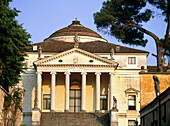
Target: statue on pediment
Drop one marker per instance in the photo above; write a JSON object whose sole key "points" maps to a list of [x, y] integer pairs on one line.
{"points": [[76, 41], [75, 60], [112, 54], [114, 102]]}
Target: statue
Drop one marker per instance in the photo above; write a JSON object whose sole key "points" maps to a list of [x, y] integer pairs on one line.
{"points": [[75, 60], [76, 41], [112, 53], [39, 52], [36, 102], [157, 89], [114, 102]]}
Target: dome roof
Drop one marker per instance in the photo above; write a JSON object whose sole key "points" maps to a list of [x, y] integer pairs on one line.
{"points": [[74, 28]]}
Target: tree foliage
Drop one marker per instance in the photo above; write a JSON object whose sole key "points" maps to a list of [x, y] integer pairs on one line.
{"points": [[118, 16], [123, 19], [13, 40]]}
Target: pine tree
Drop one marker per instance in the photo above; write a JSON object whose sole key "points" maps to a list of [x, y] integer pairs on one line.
{"points": [[123, 19]]}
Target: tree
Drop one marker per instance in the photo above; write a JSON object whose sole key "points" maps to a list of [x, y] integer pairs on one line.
{"points": [[13, 40], [166, 47], [123, 19]]}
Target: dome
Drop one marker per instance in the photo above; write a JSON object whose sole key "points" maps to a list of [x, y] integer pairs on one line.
{"points": [[68, 33]]}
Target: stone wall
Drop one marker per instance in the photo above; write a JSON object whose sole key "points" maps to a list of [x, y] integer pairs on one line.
{"points": [[4, 93], [147, 86]]}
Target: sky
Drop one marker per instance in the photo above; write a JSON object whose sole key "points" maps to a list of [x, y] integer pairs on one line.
{"points": [[41, 18]]}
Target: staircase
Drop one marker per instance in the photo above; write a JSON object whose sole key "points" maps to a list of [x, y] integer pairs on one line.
{"points": [[74, 119]]}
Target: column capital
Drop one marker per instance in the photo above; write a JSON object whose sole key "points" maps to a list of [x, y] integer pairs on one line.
{"points": [[99, 73], [38, 72], [67, 73], [53, 72], [83, 73], [111, 73]]}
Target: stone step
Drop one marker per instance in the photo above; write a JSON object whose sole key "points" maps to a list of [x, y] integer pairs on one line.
{"points": [[74, 119]]}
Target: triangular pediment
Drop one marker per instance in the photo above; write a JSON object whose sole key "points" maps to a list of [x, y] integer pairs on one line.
{"points": [[75, 56]]}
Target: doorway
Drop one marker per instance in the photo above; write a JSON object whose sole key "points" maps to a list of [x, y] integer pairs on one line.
{"points": [[75, 100]]}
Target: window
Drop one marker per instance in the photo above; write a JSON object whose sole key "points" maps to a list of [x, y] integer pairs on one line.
{"points": [[60, 60], [132, 102], [91, 61], [131, 122], [35, 47], [131, 60], [46, 101], [103, 102]]}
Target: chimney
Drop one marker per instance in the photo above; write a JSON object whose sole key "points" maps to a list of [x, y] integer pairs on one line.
{"points": [[39, 52]]}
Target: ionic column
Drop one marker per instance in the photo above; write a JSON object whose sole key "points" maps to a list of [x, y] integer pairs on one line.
{"points": [[67, 89], [53, 82], [97, 91], [111, 89], [39, 89], [83, 92]]}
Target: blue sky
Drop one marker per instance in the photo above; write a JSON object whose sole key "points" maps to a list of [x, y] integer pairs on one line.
{"points": [[41, 18]]}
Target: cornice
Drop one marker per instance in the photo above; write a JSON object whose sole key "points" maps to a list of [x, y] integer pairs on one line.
{"points": [[72, 51], [74, 65]]}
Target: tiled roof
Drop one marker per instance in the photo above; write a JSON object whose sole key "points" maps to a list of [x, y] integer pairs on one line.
{"points": [[74, 28], [93, 47]]}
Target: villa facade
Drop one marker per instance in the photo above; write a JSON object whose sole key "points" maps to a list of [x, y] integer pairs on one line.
{"points": [[76, 70]]}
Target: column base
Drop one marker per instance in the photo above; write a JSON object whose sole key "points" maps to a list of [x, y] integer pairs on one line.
{"points": [[114, 117], [83, 110], [97, 110], [52, 110], [66, 110], [114, 124], [36, 115]]}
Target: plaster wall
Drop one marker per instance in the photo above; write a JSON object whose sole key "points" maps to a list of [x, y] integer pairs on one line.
{"points": [[147, 86], [123, 61], [33, 56], [29, 81], [80, 39], [122, 121], [124, 82]]}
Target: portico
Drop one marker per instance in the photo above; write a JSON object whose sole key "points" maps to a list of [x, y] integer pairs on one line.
{"points": [[58, 72], [83, 72]]}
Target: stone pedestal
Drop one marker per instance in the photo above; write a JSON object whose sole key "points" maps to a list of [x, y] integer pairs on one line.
{"points": [[114, 117], [36, 115]]}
